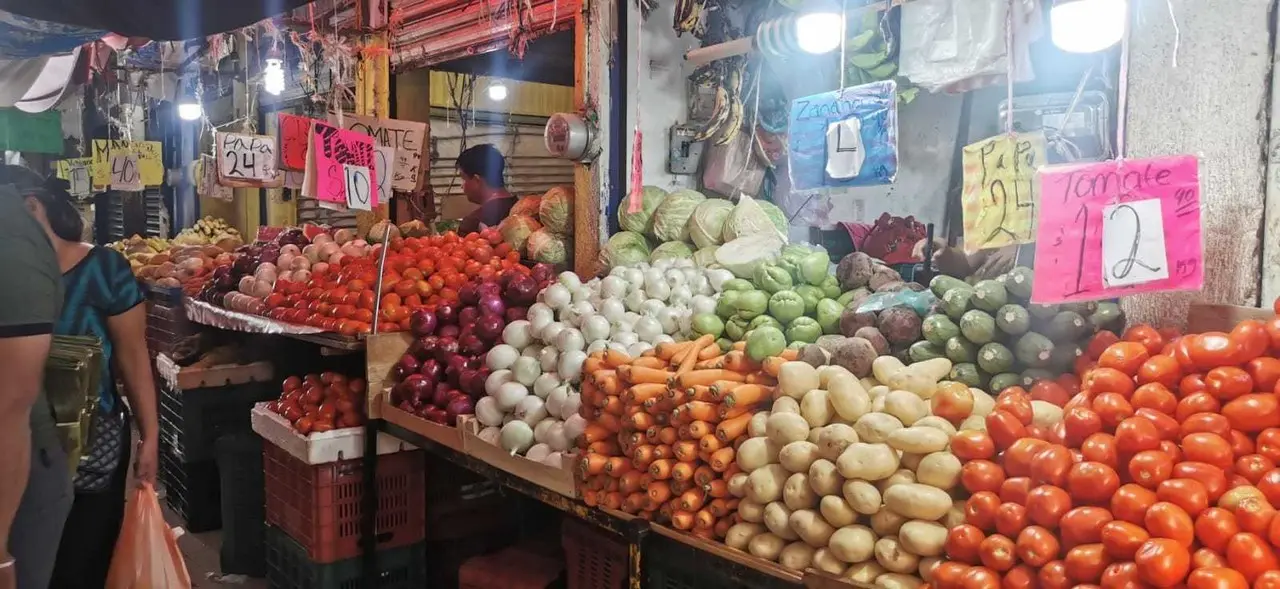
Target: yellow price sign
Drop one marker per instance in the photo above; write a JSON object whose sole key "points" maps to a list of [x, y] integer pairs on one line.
{"points": [[1000, 192], [150, 163]]}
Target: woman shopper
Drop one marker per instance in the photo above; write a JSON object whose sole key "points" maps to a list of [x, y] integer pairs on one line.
{"points": [[102, 299]]}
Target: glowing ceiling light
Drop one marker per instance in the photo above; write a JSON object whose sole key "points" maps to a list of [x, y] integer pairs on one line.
{"points": [[273, 72], [1087, 26], [497, 91], [819, 32], [189, 108]]}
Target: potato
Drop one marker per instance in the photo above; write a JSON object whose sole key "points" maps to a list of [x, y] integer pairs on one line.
{"points": [[796, 378], [784, 428], [877, 403], [874, 428], [869, 462], [901, 476], [741, 533], [824, 478], [1045, 414], [864, 572], [837, 512], [910, 460], [917, 501], [927, 565], [797, 494], [852, 544], [738, 485], [974, 422], [811, 527], [797, 456], [849, 400], [766, 546], [862, 496], [923, 538], [796, 556], [869, 383], [939, 469], [778, 519], [898, 581], [816, 408], [936, 422], [826, 372], [750, 511], [834, 438], [813, 435], [908, 407], [756, 427], [755, 453], [919, 439], [894, 558], [764, 485], [983, 404], [886, 368], [886, 523], [826, 562], [785, 405]]}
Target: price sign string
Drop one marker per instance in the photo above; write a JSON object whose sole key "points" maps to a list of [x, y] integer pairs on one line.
{"points": [[1009, 71]]}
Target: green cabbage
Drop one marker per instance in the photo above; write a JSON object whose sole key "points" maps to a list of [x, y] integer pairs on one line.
{"points": [[706, 257], [671, 220], [671, 249], [527, 206], [744, 255], [516, 229], [775, 214], [556, 210], [624, 249], [642, 221], [750, 218], [707, 223], [545, 246]]}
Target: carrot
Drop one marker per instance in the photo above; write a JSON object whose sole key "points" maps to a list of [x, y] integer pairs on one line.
{"points": [[678, 487], [682, 471], [685, 450], [600, 375], [592, 364], [747, 394], [661, 469], [700, 393], [772, 365], [610, 385], [721, 459], [668, 435], [733, 428], [724, 412], [739, 346], [668, 350], [594, 433], [733, 468], [641, 392], [613, 500], [592, 464], [613, 405], [662, 451], [642, 456], [703, 475], [716, 362], [611, 484], [721, 388], [710, 351], [629, 482], [737, 361], [650, 362], [691, 356], [718, 488], [789, 354], [651, 434], [706, 377], [700, 411], [659, 491], [610, 422], [640, 420], [589, 497], [691, 500], [718, 507], [698, 429], [615, 359], [616, 466], [665, 509], [703, 520], [707, 534], [682, 520], [606, 447], [709, 443], [633, 503], [762, 379]]}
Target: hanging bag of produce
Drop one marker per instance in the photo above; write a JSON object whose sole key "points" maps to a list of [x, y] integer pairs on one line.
{"points": [[147, 552]]}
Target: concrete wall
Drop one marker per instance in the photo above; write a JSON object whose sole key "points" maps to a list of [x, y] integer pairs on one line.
{"points": [[661, 90]]}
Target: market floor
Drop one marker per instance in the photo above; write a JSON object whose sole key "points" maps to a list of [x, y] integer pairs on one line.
{"points": [[200, 551]]}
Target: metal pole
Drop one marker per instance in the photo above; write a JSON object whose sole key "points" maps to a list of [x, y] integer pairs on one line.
{"points": [[369, 460]]}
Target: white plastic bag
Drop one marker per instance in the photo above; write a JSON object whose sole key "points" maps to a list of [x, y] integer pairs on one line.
{"points": [[945, 42]]}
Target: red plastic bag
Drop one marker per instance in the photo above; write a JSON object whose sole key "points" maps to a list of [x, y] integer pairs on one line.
{"points": [[146, 555]]}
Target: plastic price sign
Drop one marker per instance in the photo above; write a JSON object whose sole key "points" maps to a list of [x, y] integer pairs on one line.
{"points": [[1112, 229], [845, 137], [1000, 191]]}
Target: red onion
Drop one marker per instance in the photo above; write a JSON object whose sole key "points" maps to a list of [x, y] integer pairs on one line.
{"points": [[424, 347], [423, 322], [468, 315], [489, 328], [489, 288], [471, 344], [408, 364], [517, 313], [440, 396], [521, 291], [418, 388], [448, 331], [543, 272], [468, 294], [447, 313], [435, 414], [458, 406], [431, 369]]}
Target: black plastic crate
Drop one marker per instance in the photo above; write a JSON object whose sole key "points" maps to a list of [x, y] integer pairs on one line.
{"points": [[668, 564], [165, 295], [243, 504], [190, 421], [192, 491], [289, 568]]}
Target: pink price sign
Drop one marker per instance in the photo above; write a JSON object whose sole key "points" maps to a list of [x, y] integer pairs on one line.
{"points": [[1113, 228]]}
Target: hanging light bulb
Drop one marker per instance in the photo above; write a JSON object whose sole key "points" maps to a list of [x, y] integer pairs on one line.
{"points": [[189, 108], [497, 91], [819, 32], [273, 72], [1087, 26]]}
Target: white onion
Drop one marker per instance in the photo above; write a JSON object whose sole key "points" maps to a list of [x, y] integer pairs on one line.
{"points": [[496, 379], [651, 307], [570, 368], [634, 300], [613, 287], [702, 304], [532, 351], [530, 410], [540, 430], [659, 291], [556, 438], [579, 295], [554, 460], [501, 356], [663, 339], [555, 400], [613, 309], [539, 324], [690, 274], [557, 296], [595, 327], [517, 334], [669, 318], [509, 394], [540, 310], [663, 264], [648, 328], [617, 347], [526, 370], [675, 278], [490, 434], [634, 350], [552, 331], [517, 437], [570, 340], [547, 359], [626, 338], [680, 295], [599, 345], [635, 279], [546, 383], [569, 280], [619, 271], [574, 425], [538, 452], [488, 413], [718, 277]]}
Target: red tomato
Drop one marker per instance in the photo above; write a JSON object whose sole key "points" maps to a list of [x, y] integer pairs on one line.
{"points": [[1269, 484], [962, 543], [1050, 392], [1265, 372], [1121, 575], [1167, 520], [1167, 426], [1251, 339], [1004, 428], [1228, 382], [980, 510], [1213, 349], [1150, 468], [1131, 503], [1162, 562], [973, 445], [1253, 413], [1136, 435], [1080, 422], [981, 475], [1216, 578], [1054, 574], [998, 553], [1085, 563], [1191, 383], [1122, 539], [1250, 555], [1112, 408], [1015, 490], [1206, 423], [1092, 482], [1083, 525], [1127, 357], [1037, 546], [1160, 369], [1100, 447], [1046, 505], [980, 578], [1188, 494], [1019, 456], [1208, 448], [1109, 380], [1051, 465], [1212, 477], [1214, 527], [1011, 519]]}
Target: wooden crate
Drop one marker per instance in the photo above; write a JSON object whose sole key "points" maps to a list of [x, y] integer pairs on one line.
{"points": [[1203, 317], [559, 480], [449, 437], [811, 578], [382, 351]]}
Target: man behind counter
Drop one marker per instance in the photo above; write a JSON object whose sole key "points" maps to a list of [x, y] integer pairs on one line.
{"points": [[481, 168]]}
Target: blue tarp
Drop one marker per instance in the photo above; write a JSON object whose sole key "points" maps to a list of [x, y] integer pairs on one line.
{"points": [[25, 38]]}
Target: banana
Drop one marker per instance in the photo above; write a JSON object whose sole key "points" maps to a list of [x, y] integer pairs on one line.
{"points": [[719, 115], [729, 129]]}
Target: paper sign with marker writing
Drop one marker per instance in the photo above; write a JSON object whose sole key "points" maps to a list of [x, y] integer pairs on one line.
{"points": [[1000, 192], [1113, 229], [360, 192], [125, 173], [331, 148], [384, 160], [408, 138], [247, 161], [78, 172], [295, 133], [147, 154], [826, 147]]}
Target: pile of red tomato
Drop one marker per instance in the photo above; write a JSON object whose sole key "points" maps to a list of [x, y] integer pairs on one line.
{"points": [[420, 272], [321, 402], [1162, 472]]}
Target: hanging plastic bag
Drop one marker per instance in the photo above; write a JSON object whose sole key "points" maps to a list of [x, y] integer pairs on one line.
{"points": [[947, 43], [147, 555]]}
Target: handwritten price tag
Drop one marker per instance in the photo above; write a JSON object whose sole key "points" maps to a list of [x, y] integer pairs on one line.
{"points": [[1000, 192], [1112, 229], [818, 160], [359, 187], [125, 173], [247, 160]]}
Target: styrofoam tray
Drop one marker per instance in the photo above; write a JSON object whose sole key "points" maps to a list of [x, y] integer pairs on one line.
{"points": [[319, 448]]}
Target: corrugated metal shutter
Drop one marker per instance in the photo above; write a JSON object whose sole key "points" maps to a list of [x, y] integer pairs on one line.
{"points": [[531, 170], [128, 214]]}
